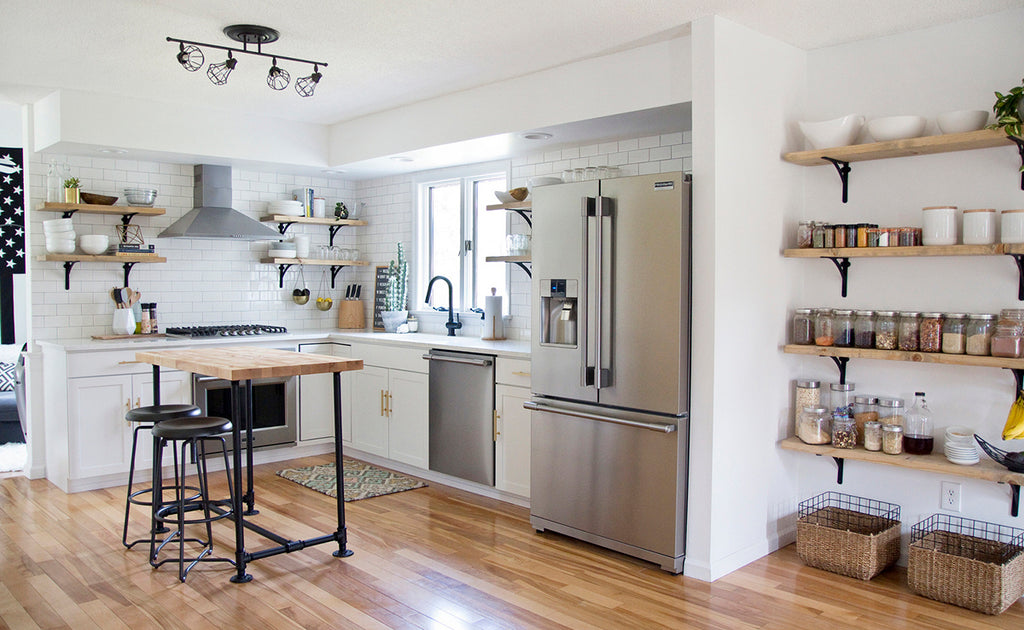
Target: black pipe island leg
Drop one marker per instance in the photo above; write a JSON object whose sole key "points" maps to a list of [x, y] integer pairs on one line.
{"points": [[341, 535], [240, 575], [250, 493]]}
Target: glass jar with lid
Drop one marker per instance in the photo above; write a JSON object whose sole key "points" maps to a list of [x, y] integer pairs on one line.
{"points": [[844, 433], [840, 399], [865, 410], [873, 436], [803, 327], [886, 330], [823, 333], [804, 234], [892, 439], [864, 329], [890, 411], [1006, 340], [979, 334], [842, 327], [954, 333], [839, 235], [910, 326], [930, 332], [814, 426], [808, 394], [817, 235]]}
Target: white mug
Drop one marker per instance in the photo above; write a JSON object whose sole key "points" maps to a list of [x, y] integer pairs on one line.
{"points": [[301, 245], [319, 207]]}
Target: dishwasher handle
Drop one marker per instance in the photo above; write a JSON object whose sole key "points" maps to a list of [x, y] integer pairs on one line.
{"points": [[650, 426], [447, 359]]}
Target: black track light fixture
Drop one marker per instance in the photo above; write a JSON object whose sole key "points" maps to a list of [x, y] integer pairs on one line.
{"points": [[306, 85], [218, 72], [190, 57], [277, 78]]}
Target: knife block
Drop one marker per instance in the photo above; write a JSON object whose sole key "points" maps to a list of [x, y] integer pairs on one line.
{"points": [[350, 314]]}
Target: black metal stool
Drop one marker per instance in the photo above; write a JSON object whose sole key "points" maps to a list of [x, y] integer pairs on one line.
{"points": [[145, 418], [192, 433]]}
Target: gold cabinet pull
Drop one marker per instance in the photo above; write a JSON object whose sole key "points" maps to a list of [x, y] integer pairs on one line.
{"points": [[494, 426], [520, 373], [382, 403], [127, 362], [390, 408], [138, 402]]}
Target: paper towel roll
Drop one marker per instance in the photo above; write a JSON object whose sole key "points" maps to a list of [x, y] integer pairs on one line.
{"points": [[494, 327]]}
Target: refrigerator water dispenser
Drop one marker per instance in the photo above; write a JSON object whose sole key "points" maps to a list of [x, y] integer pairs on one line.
{"points": [[558, 312]]}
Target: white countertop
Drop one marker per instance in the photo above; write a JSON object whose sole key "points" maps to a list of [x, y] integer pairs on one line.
{"points": [[507, 348]]}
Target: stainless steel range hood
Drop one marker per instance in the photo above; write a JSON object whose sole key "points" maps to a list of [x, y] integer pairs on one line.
{"points": [[212, 215]]}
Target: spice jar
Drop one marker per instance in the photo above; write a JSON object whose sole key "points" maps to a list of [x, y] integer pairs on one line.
{"points": [[840, 399], [1006, 340], [844, 433], [829, 236], [851, 234], [874, 235], [839, 235], [954, 333], [979, 334], [842, 327], [865, 410], [885, 330], [823, 335], [909, 331], [814, 426], [873, 436], [808, 394], [864, 329], [803, 327], [890, 411], [892, 439], [804, 234], [817, 235], [931, 332]]}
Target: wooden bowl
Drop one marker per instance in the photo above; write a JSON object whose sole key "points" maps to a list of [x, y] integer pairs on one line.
{"points": [[103, 200]]}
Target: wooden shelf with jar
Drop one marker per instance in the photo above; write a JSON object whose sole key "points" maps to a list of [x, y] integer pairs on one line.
{"points": [[283, 264], [126, 212], [520, 261], [127, 261]]}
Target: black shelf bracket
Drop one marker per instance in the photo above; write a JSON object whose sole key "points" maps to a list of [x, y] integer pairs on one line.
{"points": [[283, 227], [523, 266], [1019, 259], [127, 272], [334, 272], [1014, 499], [839, 471], [843, 168], [333, 230], [67, 214], [127, 219], [843, 265], [525, 215], [841, 365], [68, 264], [281, 271], [1020, 149]]}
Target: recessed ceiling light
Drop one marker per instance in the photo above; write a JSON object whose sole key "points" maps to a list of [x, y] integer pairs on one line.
{"points": [[401, 158], [328, 171], [113, 151], [536, 135]]}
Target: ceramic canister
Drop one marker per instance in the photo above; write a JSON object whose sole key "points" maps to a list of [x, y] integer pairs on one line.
{"points": [[1012, 227], [979, 226], [939, 225]]}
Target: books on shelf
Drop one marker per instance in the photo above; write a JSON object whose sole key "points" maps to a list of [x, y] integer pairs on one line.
{"points": [[135, 249], [305, 195]]}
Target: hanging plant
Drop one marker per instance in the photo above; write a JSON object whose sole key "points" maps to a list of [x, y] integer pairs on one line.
{"points": [[398, 275], [1009, 110]]}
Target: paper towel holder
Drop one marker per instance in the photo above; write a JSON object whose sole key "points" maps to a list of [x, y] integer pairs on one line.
{"points": [[494, 324]]}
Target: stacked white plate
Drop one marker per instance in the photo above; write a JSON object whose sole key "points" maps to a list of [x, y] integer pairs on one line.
{"points": [[960, 446], [286, 207]]}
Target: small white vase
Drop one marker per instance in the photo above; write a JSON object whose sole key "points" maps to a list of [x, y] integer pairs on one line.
{"points": [[394, 319], [124, 322]]}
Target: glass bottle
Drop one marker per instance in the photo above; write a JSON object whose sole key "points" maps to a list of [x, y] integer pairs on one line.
{"points": [[804, 234], [55, 175], [1006, 340], [886, 330], [954, 337], [979, 334], [814, 426], [823, 335], [909, 337], [892, 439], [842, 327], [840, 399], [917, 438], [864, 329], [931, 332], [803, 327]]}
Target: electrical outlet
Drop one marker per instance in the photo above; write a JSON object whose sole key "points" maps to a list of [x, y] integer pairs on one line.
{"points": [[950, 499]]}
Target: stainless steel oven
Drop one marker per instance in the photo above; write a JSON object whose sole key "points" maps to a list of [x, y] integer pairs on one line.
{"points": [[274, 407]]}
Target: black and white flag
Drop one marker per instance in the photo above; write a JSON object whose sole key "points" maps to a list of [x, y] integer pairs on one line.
{"points": [[12, 234]]}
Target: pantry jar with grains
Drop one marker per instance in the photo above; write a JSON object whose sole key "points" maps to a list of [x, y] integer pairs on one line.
{"points": [[891, 411], [864, 329], [930, 332], [804, 234], [954, 333], [842, 327], [803, 327], [844, 433], [865, 410], [808, 394], [841, 399], [886, 330], [1007, 338], [892, 439], [814, 426], [823, 334], [910, 325], [873, 436], [979, 334]]}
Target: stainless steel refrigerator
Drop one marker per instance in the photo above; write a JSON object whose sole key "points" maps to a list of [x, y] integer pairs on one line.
{"points": [[610, 363]]}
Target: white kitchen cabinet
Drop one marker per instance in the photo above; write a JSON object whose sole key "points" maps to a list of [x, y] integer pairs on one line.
{"points": [[100, 440], [316, 397], [512, 440], [408, 415], [369, 420]]}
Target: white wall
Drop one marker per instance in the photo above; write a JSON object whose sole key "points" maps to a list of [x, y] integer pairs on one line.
{"points": [[957, 66], [746, 86]]}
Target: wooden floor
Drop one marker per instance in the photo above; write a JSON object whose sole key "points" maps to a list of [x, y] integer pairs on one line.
{"points": [[430, 558]]}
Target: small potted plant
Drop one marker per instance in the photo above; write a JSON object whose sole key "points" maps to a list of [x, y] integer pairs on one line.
{"points": [[72, 190], [1009, 111], [395, 313]]}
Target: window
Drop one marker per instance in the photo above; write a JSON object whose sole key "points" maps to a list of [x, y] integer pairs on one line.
{"points": [[456, 233]]}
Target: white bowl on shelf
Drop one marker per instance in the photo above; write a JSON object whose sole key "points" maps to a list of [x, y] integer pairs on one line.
{"points": [[535, 182], [281, 253], [962, 121], [896, 127], [838, 132], [60, 245], [52, 226], [503, 196], [94, 244]]}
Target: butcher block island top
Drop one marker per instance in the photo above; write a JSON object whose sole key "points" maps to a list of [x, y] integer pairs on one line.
{"points": [[239, 364]]}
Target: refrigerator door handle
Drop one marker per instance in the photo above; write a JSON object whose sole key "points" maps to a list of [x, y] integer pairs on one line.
{"points": [[650, 426], [589, 210]]}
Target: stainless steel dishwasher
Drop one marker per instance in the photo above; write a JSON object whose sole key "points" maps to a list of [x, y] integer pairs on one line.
{"points": [[462, 415]]}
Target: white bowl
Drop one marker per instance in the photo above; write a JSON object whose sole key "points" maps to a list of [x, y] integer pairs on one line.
{"points": [[281, 253], [534, 182], [896, 127], [962, 120], [58, 225], [286, 207], [61, 234], [503, 196], [838, 132], [94, 243], [60, 246]]}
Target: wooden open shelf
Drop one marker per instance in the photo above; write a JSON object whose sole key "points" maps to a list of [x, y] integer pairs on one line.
{"points": [[132, 258], [285, 218], [315, 261], [982, 139], [998, 249], [508, 259], [93, 208], [911, 357], [515, 205], [986, 469]]}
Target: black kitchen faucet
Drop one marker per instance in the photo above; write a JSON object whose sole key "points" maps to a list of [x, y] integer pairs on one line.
{"points": [[452, 324]]}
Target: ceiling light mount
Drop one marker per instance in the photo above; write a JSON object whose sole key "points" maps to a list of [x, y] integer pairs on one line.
{"points": [[536, 135], [191, 57]]}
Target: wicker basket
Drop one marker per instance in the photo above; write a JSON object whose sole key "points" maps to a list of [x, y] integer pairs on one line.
{"points": [[968, 563], [848, 535]]}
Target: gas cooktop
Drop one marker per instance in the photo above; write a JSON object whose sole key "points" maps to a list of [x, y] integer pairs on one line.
{"points": [[230, 330]]}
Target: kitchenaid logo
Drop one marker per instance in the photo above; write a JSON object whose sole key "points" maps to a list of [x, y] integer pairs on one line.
{"points": [[669, 185]]}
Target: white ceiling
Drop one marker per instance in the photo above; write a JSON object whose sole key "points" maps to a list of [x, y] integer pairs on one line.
{"points": [[383, 54]]}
